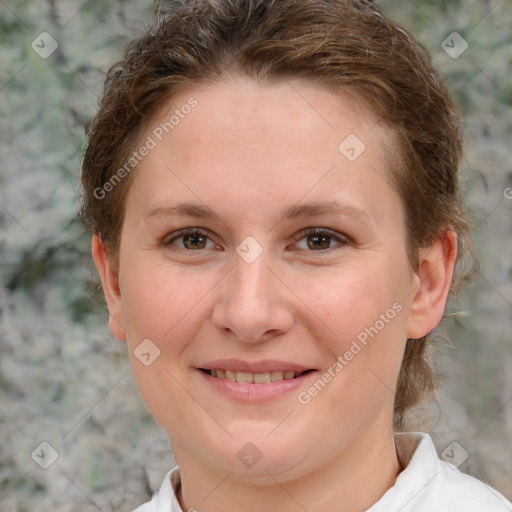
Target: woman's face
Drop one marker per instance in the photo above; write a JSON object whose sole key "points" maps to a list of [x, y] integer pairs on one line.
{"points": [[254, 294]]}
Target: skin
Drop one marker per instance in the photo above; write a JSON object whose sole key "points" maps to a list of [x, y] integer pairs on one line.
{"points": [[247, 151]]}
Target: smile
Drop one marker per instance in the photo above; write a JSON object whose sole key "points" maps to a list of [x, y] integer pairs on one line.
{"points": [[256, 378]]}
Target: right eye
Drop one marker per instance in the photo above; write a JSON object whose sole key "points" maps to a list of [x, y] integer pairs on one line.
{"points": [[190, 239]]}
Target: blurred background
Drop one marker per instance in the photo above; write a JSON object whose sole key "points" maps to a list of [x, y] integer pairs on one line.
{"points": [[65, 381]]}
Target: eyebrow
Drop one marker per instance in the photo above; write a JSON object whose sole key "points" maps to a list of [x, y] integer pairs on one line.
{"points": [[200, 211]]}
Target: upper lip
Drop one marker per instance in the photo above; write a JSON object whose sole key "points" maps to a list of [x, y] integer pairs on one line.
{"points": [[263, 366]]}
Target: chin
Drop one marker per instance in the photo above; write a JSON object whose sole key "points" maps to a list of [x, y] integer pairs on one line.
{"points": [[253, 458]]}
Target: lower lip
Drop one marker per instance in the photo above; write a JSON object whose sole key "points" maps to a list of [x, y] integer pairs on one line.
{"points": [[242, 392]]}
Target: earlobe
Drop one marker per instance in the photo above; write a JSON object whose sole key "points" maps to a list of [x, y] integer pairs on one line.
{"points": [[110, 283], [434, 277]]}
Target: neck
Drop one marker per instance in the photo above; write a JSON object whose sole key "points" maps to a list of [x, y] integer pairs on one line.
{"points": [[351, 482]]}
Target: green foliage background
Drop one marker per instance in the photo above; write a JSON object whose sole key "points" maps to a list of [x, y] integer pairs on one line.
{"points": [[65, 380]]}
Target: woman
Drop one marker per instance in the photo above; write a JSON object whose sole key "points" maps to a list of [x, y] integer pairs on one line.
{"points": [[272, 192]]}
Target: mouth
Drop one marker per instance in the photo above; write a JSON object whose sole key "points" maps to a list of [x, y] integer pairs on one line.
{"points": [[254, 381], [254, 378]]}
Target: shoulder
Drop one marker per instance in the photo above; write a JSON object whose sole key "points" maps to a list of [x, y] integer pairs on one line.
{"points": [[150, 506], [459, 491], [430, 484], [164, 500]]}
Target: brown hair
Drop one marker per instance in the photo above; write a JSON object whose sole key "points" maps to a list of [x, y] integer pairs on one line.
{"points": [[348, 44]]}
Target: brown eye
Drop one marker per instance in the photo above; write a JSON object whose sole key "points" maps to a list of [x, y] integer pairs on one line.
{"points": [[320, 239], [189, 239], [194, 241]]}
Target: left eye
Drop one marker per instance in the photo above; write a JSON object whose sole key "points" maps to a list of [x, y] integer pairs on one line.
{"points": [[319, 239]]}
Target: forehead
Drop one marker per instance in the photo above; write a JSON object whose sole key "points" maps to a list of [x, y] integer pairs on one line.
{"points": [[290, 107], [271, 143]]}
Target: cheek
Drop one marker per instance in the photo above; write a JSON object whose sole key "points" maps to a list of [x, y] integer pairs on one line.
{"points": [[365, 315], [162, 390], [159, 302], [351, 300], [162, 305]]}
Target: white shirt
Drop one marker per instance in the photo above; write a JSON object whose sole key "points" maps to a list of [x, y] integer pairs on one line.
{"points": [[427, 484]]}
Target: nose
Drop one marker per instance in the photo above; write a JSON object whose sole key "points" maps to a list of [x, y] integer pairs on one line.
{"points": [[252, 304]]}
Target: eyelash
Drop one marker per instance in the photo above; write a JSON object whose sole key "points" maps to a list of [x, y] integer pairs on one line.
{"points": [[342, 240]]}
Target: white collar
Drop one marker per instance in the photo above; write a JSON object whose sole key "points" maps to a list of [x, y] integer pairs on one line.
{"points": [[415, 450], [418, 454], [167, 499]]}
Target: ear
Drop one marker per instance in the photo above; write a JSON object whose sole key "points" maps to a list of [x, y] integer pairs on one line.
{"points": [[434, 277], [110, 282]]}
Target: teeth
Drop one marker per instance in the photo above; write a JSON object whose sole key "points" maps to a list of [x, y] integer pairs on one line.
{"points": [[258, 378], [245, 377], [276, 376], [262, 378]]}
